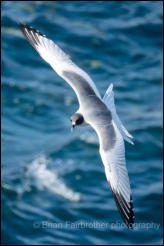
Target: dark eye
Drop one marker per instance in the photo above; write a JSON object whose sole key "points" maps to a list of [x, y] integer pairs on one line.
{"points": [[78, 121]]}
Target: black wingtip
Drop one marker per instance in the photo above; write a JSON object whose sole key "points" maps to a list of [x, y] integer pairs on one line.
{"points": [[25, 26], [30, 34], [22, 26], [124, 208], [29, 28]]}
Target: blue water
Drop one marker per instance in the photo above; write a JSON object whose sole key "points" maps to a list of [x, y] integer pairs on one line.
{"points": [[54, 190]]}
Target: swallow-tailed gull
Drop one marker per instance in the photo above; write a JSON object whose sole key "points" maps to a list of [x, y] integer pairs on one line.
{"points": [[99, 113]]}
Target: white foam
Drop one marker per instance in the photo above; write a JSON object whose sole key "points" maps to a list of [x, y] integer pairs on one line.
{"points": [[90, 138], [44, 178]]}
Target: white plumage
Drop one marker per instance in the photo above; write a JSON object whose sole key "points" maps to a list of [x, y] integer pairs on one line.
{"points": [[98, 113]]}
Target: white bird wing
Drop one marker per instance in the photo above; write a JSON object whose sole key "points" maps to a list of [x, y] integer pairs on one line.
{"points": [[108, 99], [112, 152], [60, 62]]}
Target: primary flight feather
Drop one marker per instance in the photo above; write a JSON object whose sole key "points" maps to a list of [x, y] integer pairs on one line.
{"points": [[99, 113]]}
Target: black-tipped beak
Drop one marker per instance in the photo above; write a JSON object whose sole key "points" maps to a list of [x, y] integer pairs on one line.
{"points": [[73, 126]]}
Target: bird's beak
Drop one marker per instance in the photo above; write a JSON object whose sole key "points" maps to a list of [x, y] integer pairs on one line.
{"points": [[73, 126]]}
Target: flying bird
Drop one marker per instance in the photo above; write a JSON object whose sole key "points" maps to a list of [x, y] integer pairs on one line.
{"points": [[99, 113]]}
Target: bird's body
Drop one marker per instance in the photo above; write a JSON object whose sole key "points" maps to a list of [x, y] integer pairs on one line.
{"points": [[99, 113]]}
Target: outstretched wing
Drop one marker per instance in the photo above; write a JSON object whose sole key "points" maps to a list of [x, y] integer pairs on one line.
{"points": [[113, 156], [111, 142], [109, 101], [60, 62]]}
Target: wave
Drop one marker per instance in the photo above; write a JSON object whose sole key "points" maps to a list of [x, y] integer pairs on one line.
{"points": [[39, 175], [89, 138]]}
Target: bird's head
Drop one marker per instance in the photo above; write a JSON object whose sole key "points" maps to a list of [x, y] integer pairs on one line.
{"points": [[76, 120]]}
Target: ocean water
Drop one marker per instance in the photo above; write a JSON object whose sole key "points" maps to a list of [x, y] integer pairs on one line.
{"points": [[54, 189]]}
